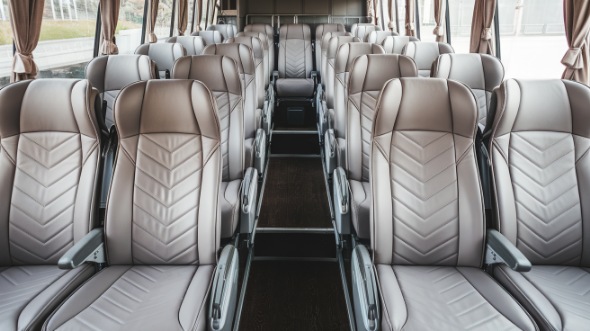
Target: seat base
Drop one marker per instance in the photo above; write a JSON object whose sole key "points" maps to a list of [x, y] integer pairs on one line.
{"points": [[295, 87]]}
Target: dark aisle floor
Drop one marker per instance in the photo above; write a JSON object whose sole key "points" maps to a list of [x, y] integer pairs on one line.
{"points": [[295, 194], [288, 295]]}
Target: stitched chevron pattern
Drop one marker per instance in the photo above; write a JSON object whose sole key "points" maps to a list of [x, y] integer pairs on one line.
{"points": [[568, 289], [482, 106], [295, 58], [144, 297], [365, 103], [453, 303], [424, 193], [165, 202], [42, 206], [109, 97], [547, 199], [18, 285], [226, 103]]}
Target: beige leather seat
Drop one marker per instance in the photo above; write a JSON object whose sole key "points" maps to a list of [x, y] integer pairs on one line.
{"points": [[362, 30], [428, 227], [482, 73], [221, 76], [48, 170], [242, 55], [345, 57], [353, 134], [161, 227], [377, 37], [540, 137], [295, 62], [266, 51], [396, 44], [193, 45], [320, 31], [325, 43], [109, 74], [164, 54], [210, 37], [258, 55], [425, 53], [226, 30], [269, 31]]}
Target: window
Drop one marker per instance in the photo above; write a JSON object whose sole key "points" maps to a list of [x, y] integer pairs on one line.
{"points": [[164, 19], [66, 43], [128, 33], [532, 38], [5, 44], [461, 14], [427, 22]]}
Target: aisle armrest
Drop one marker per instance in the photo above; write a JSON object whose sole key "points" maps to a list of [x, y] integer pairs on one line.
{"points": [[224, 293], [330, 151], [249, 200], [500, 250], [88, 249], [341, 201], [260, 151], [365, 293]]}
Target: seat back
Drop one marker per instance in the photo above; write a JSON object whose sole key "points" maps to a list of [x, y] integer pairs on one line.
{"points": [[540, 137], [193, 45], [362, 30], [265, 49], [334, 44], [226, 30], [221, 76], [269, 31], [377, 37], [324, 52], [210, 37], [425, 53], [368, 75], [320, 31], [163, 202], [345, 56], [242, 55], [427, 201], [109, 74], [295, 59], [482, 73], [258, 55], [396, 44], [49, 161], [164, 54]]}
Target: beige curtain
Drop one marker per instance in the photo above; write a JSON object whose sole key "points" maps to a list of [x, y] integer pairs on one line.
{"points": [[153, 15], [481, 27], [410, 18], [372, 6], [25, 20], [182, 16], [439, 15], [109, 16], [198, 13], [576, 16], [392, 12]]}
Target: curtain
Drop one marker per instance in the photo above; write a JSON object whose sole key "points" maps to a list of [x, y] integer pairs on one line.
{"points": [[25, 19], [410, 18], [182, 16], [481, 27], [153, 15], [439, 15], [198, 13], [576, 16], [109, 16], [392, 11], [372, 11]]}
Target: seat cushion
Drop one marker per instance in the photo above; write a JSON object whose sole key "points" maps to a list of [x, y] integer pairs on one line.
{"points": [[558, 297], [361, 206], [295, 87], [229, 200], [28, 294], [138, 298], [446, 298]]}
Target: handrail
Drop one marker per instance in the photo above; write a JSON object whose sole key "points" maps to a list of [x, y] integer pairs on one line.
{"points": [[277, 17]]}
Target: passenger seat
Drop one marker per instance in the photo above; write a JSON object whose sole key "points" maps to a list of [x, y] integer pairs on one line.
{"points": [[269, 31], [320, 31], [193, 45], [226, 30], [396, 44], [162, 223], [164, 54], [210, 37], [295, 74], [425, 53], [49, 166], [362, 30], [377, 37]]}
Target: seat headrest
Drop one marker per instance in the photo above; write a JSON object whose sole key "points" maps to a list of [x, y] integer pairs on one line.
{"points": [[253, 42], [425, 53], [193, 45], [478, 71], [377, 37], [325, 43], [240, 53], [113, 72], [219, 73], [262, 36], [336, 42], [322, 29], [370, 72], [226, 30], [210, 36], [295, 31], [164, 54], [259, 27], [348, 52], [396, 44]]}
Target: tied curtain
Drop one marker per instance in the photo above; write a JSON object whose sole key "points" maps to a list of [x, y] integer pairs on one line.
{"points": [[372, 11], [410, 18], [576, 17], [151, 22], [109, 17], [25, 19], [439, 15], [182, 16], [481, 27]]}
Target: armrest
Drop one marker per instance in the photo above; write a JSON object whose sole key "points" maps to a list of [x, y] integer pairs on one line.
{"points": [[341, 201], [249, 197], [330, 147], [274, 77], [364, 290], [500, 250], [267, 117], [88, 249], [222, 306], [314, 76], [260, 151]]}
